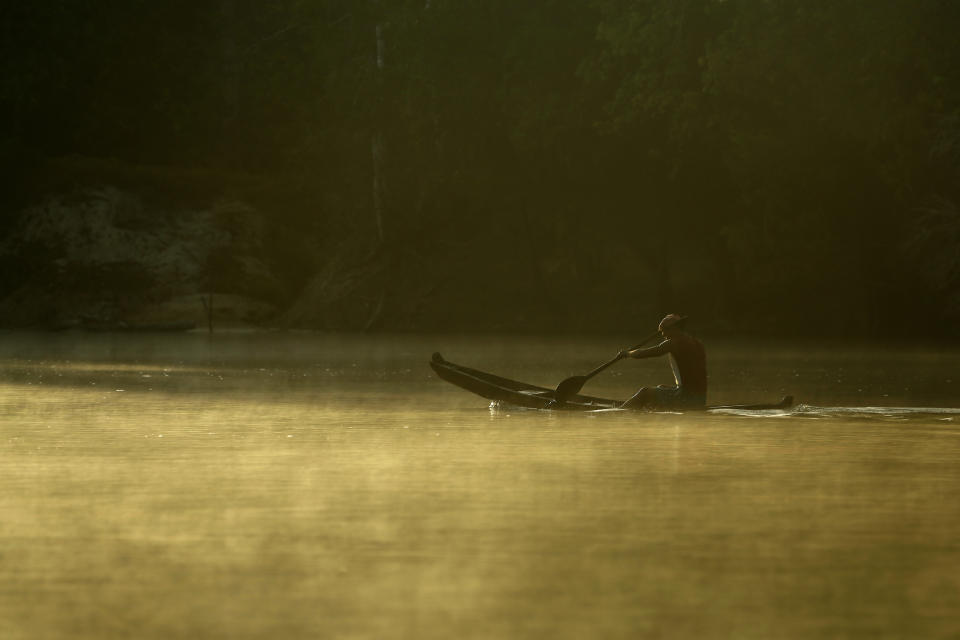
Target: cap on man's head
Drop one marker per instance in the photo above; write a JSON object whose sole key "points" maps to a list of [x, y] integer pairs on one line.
{"points": [[672, 320]]}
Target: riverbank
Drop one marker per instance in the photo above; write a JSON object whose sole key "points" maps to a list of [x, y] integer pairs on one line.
{"points": [[110, 257]]}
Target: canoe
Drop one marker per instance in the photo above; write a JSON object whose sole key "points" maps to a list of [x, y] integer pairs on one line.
{"points": [[521, 394]]}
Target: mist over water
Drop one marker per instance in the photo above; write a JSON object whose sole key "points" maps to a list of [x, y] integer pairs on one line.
{"points": [[311, 485]]}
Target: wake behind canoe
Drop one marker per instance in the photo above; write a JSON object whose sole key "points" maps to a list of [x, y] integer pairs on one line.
{"points": [[521, 394]]}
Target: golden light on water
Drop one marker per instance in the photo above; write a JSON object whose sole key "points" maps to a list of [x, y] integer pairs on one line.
{"points": [[227, 502]]}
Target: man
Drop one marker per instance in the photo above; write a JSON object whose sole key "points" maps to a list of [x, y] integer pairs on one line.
{"points": [[689, 363]]}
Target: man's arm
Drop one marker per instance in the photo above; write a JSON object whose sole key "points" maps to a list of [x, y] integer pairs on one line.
{"points": [[650, 352]]}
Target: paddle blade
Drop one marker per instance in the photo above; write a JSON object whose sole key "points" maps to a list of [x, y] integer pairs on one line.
{"points": [[569, 387]]}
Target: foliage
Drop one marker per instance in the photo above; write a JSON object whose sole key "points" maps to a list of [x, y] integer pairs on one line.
{"points": [[702, 155]]}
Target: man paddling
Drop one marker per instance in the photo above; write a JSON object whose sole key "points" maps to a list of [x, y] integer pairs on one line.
{"points": [[689, 363]]}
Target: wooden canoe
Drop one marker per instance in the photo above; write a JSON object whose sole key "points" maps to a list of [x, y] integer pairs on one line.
{"points": [[521, 394]]}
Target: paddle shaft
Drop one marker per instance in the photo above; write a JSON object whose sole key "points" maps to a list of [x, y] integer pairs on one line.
{"points": [[619, 357]]}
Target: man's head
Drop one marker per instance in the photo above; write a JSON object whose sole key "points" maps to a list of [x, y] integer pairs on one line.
{"points": [[672, 324]]}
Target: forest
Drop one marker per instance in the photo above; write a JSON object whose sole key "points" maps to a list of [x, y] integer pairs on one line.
{"points": [[783, 167]]}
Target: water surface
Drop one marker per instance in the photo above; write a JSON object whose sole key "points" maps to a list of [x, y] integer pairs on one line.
{"points": [[323, 486]]}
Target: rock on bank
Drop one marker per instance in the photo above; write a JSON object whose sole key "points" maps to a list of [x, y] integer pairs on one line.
{"points": [[103, 258]]}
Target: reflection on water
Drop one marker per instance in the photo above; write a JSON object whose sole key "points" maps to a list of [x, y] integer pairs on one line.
{"points": [[304, 486]]}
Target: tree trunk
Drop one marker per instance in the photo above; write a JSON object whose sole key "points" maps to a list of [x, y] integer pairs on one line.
{"points": [[665, 296], [230, 65], [377, 149]]}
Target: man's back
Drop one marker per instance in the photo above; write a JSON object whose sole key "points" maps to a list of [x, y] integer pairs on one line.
{"points": [[689, 362]]}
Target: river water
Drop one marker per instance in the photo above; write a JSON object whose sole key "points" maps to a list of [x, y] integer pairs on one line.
{"points": [[323, 486]]}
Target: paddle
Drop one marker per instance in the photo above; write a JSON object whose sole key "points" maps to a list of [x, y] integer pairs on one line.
{"points": [[572, 386]]}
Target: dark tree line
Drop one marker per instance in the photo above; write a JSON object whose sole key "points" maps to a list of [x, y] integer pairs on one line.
{"points": [[755, 162]]}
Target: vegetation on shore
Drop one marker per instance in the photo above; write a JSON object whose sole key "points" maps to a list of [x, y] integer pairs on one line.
{"points": [[499, 165]]}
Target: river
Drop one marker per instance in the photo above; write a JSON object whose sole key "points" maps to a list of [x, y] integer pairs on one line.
{"points": [[284, 485]]}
